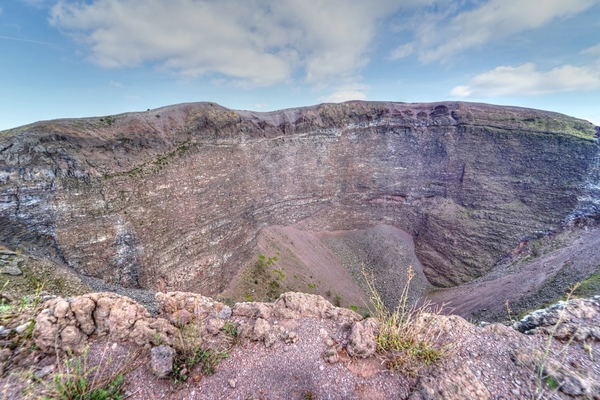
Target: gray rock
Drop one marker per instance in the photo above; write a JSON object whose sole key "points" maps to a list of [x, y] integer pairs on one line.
{"points": [[578, 319], [22, 328], [161, 360], [362, 341], [5, 354], [225, 312], [4, 331], [10, 269], [47, 370]]}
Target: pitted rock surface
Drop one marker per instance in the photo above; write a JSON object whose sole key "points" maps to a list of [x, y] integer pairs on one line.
{"points": [[577, 319], [67, 324], [324, 347]]}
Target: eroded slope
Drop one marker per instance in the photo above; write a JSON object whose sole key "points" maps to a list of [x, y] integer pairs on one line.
{"points": [[174, 198]]}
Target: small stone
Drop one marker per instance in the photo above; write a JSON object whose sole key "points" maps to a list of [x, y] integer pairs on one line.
{"points": [[232, 383], [196, 378], [270, 340], [6, 297], [214, 325], [329, 342], [22, 328], [5, 354], [331, 355], [161, 360], [516, 392], [362, 338], [321, 368], [47, 370], [290, 337], [10, 270], [225, 312], [181, 317]]}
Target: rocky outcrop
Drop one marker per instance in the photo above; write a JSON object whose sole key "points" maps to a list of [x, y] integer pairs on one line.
{"points": [[467, 181], [276, 343], [68, 324], [577, 319]]}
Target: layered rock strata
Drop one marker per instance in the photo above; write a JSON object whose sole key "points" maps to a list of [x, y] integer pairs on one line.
{"points": [[174, 198]]}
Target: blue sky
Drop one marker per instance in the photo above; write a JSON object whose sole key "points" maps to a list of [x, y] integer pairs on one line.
{"points": [[66, 58]]}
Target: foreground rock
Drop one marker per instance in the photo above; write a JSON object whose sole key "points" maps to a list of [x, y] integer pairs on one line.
{"points": [[577, 319], [301, 346]]}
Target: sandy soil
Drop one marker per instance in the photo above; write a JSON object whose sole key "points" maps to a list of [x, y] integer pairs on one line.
{"points": [[329, 263]]}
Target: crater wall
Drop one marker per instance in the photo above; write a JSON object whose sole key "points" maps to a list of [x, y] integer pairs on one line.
{"points": [[174, 198]]}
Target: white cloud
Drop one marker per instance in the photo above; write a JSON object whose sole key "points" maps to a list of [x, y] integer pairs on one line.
{"points": [[261, 105], [255, 42], [403, 51], [594, 50], [443, 34], [116, 84], [526, 80], [0, 10], [340, 96]]}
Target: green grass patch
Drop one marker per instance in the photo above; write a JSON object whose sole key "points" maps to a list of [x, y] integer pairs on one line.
{"points": [[589, 287]]}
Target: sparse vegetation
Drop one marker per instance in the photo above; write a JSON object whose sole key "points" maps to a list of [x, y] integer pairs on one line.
{"points": [[208, 360], [309, 395], [337, 301], [542, 372], [590, 286], [108, 120], [20, 314], [191, 352], [230, 328], [262, 282], [405, 340], [80, 379]]}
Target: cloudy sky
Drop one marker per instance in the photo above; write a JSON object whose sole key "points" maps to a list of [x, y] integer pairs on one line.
{"points": [[68, 58]]}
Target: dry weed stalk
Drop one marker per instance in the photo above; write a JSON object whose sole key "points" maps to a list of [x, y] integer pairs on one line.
{"points": [[191, 349], [542, 374], [407, 337], [78, 378]]}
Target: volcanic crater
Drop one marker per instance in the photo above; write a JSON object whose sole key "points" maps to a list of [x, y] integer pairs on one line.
{"points": [[485, 203]]}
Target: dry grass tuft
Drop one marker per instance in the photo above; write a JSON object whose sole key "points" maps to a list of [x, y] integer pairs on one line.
{"points": [[79, 378], [191, 349], [407, 339]]}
